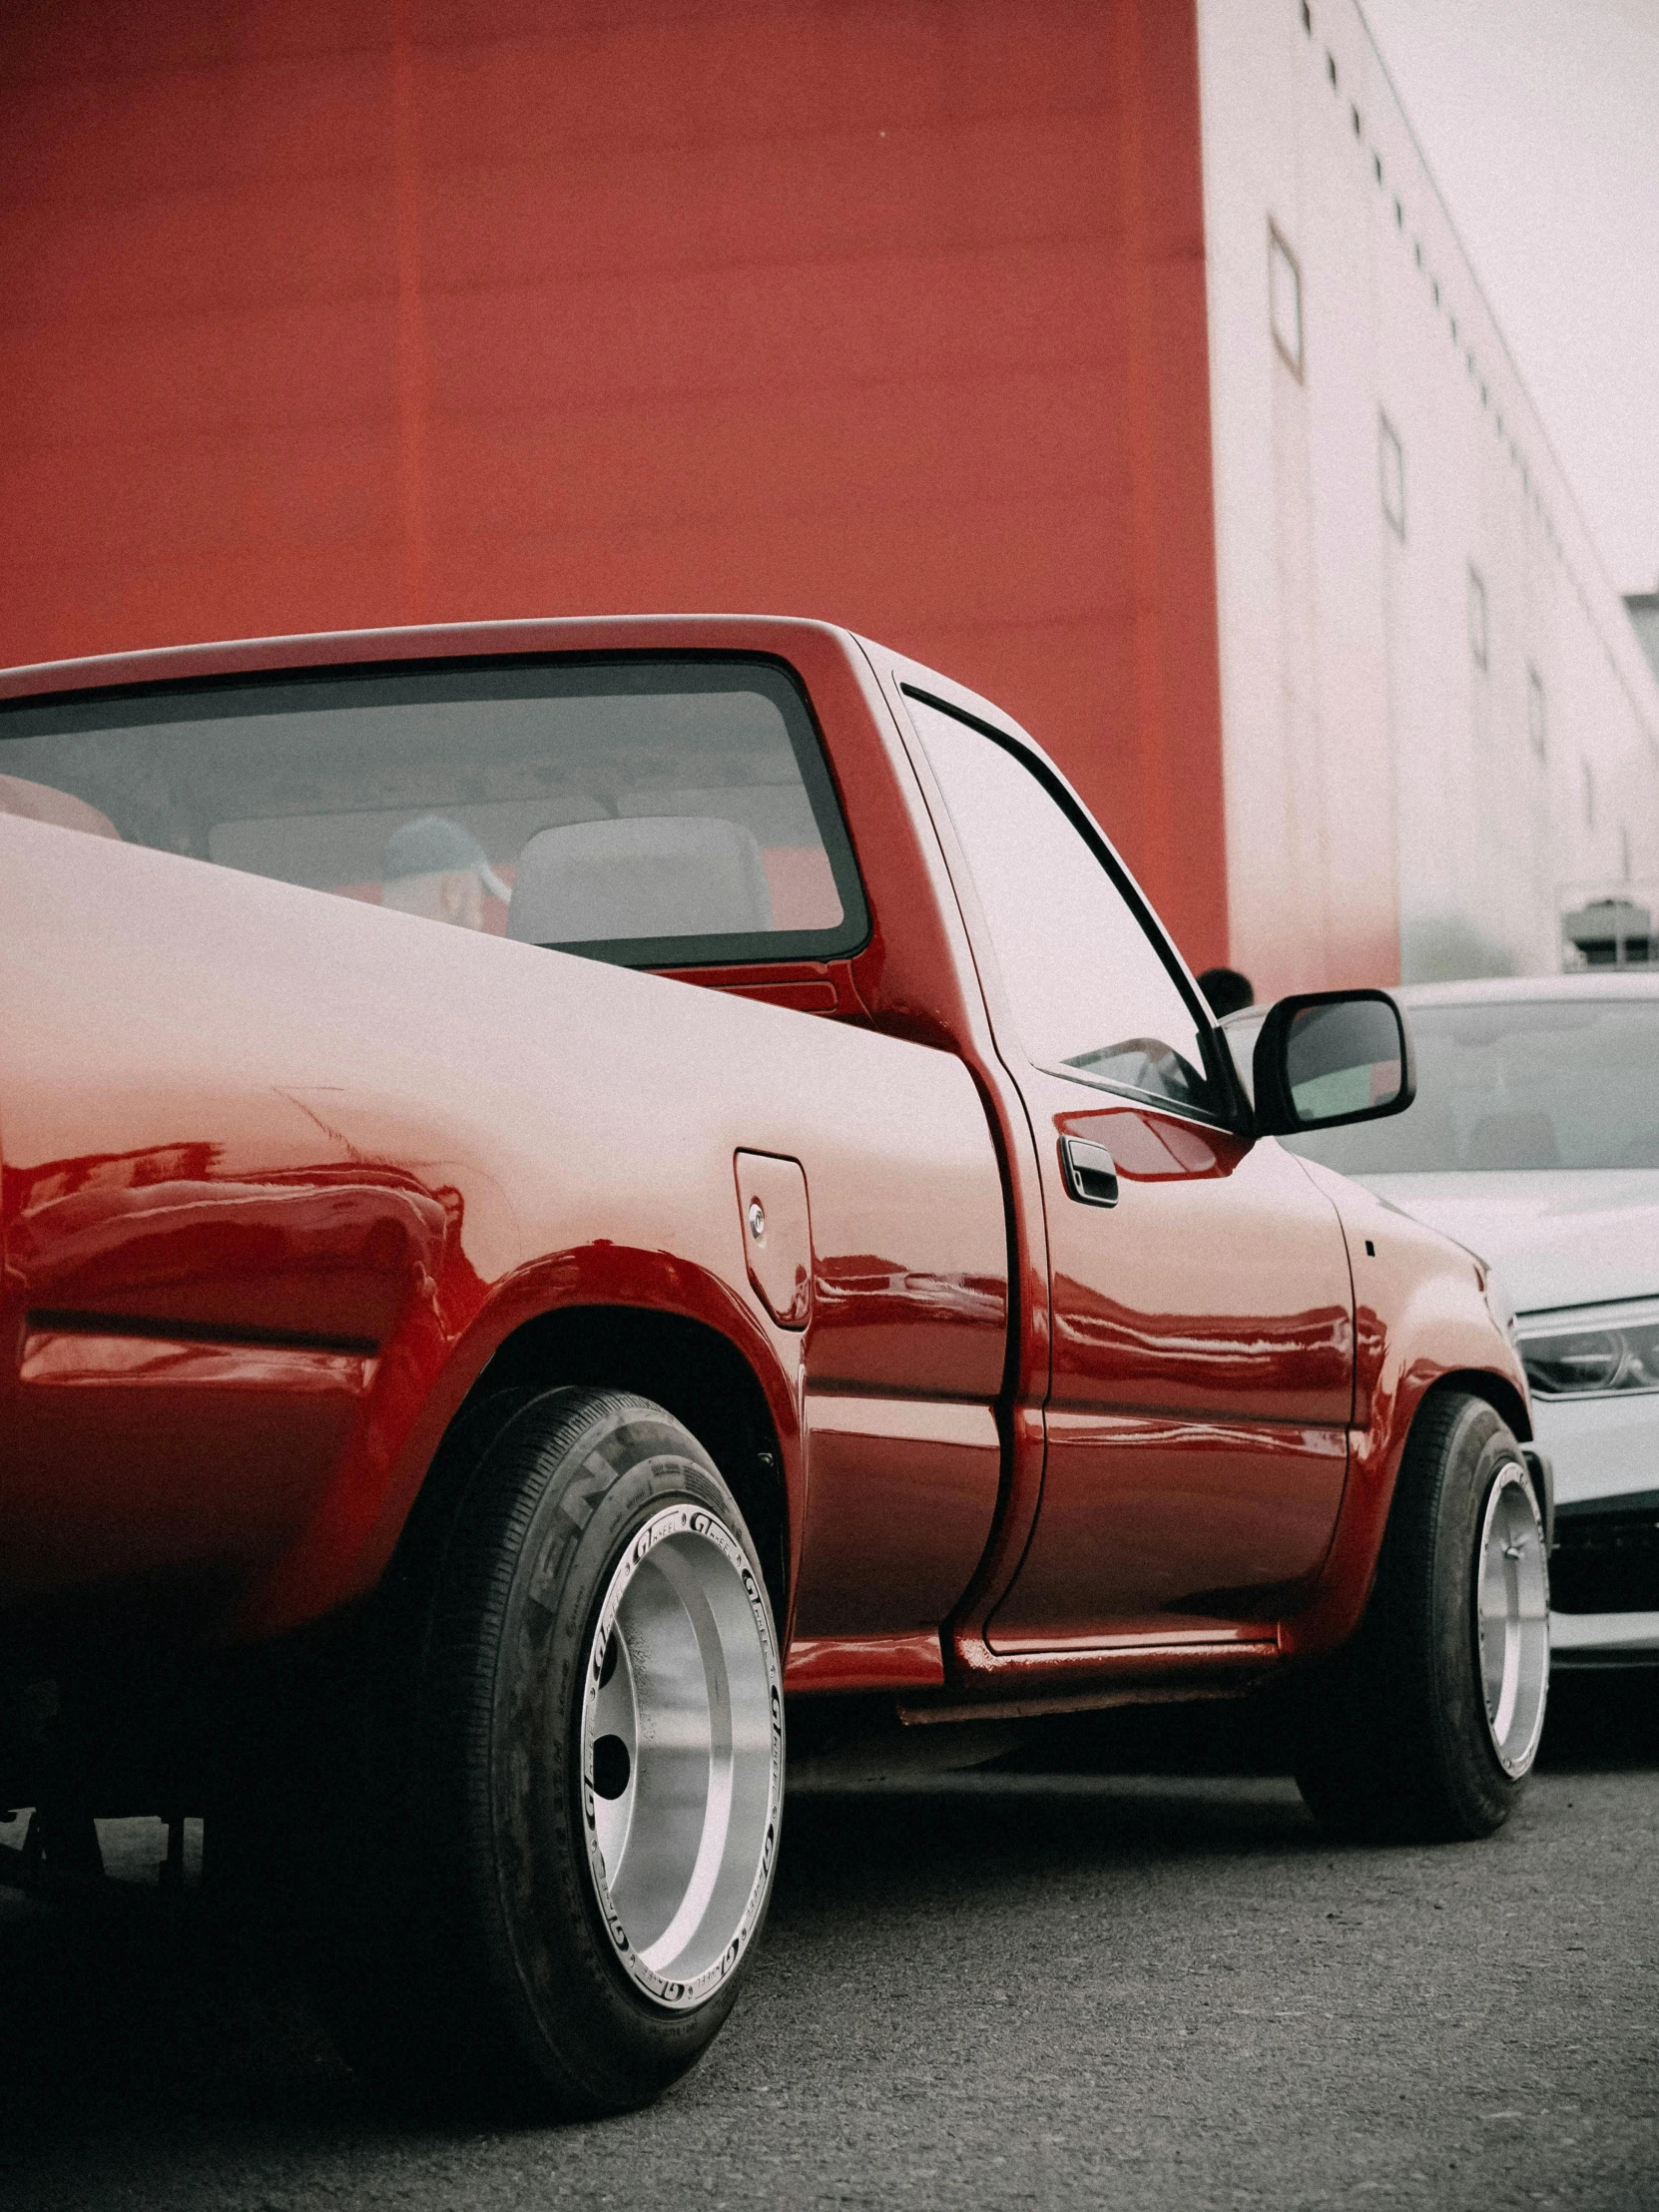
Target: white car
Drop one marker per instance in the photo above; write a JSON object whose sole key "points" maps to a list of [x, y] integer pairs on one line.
{"points": [[1534, 1141]]}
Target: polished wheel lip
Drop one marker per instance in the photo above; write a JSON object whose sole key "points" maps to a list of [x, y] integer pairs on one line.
{"points": [[710, 1548], [1512, 1613]]}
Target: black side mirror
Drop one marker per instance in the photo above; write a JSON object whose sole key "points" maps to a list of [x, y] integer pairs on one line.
{"points": [[1329, 1057]]}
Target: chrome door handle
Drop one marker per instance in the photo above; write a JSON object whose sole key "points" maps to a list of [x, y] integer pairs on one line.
{"points": [[1090, 1171]]}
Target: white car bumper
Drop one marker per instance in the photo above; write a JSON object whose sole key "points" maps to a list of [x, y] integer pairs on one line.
{"points": [[1604, 1574]]}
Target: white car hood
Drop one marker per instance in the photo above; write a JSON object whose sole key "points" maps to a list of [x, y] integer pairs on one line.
{"points": [[1556, 1236]]}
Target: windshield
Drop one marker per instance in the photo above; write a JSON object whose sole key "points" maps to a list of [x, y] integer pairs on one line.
{"points": [[1543, 1083], [653, 811]]}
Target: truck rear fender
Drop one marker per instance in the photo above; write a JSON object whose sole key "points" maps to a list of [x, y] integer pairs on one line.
{"points": [[686, 1366], [610, 1316]]}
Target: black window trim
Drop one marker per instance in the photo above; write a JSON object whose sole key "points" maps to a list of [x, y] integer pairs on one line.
{"points": [[1217, 1062], [760, 949]]}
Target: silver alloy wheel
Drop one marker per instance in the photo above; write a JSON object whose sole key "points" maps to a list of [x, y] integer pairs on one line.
{"points": [[1512, 1617], [682, 1755]]}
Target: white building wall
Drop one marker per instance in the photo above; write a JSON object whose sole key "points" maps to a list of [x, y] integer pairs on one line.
{"points": [[1392, 807]]}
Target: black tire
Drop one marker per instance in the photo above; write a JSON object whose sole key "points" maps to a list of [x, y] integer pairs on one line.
{"points": [[474, 1955], [1395, 1735]]}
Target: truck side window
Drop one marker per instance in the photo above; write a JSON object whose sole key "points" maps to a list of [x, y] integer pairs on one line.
{"points": [[1091, 995]]}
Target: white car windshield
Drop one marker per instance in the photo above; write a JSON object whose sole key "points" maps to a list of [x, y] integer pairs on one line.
{"points": [[1516, 1084]]}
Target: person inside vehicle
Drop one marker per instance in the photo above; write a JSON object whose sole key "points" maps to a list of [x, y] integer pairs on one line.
{"points": [[436, 869], [1227, 990]]}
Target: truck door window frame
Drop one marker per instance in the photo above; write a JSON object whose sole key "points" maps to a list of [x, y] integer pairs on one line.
{"points": [[1216, 1066]]}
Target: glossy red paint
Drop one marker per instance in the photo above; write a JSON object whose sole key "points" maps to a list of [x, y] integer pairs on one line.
{"points": [[1202, 1380], [943, 1460], [853, 1663], [967, 1028], [272, 1092], [1179, 1473], [1422, 1319], [1221, 1289], [282, 1173], [777, 1227]]}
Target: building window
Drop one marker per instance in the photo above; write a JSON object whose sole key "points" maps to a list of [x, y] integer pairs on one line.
{"points": [[1536, 732], [1589, 794], [1285, 301], [1393, 465], [1477, 616]]}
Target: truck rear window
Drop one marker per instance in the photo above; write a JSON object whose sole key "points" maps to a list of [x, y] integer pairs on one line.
{"points": [[651, 811]]}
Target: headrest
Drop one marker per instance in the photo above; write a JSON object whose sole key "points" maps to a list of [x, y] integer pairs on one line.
{"points": [[645, 875], [40, 803]]}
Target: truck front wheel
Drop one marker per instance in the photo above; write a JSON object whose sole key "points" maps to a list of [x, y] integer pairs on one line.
{"points": [[1425, 1725], [565, 1828]]}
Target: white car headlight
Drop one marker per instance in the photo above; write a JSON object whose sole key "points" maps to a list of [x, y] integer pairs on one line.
{"points": [[1594, 1351]]}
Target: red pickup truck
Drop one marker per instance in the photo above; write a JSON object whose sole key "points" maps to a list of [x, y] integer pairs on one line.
{"points": [[794, 1240]]}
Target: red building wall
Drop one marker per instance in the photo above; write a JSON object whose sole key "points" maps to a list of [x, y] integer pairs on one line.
{"points": [[317, 314]]}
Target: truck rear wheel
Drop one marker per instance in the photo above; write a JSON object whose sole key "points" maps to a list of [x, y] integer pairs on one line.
{"points": [[1427, 1724], [562, 1844]]}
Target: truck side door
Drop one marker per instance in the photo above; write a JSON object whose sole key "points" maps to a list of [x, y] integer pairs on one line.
{"points": [[1202, 1307]]}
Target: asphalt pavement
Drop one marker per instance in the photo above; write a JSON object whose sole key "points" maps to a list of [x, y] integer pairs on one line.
{"points": [[1124, 1989]]}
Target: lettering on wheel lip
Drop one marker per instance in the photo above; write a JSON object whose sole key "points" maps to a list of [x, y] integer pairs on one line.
{"points": [[673, 1520]]}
